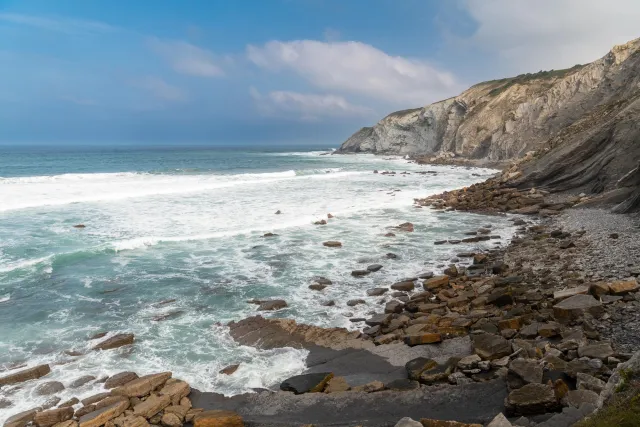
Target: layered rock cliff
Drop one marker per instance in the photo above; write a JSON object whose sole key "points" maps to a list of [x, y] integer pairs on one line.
{"points": [[504, 119]]}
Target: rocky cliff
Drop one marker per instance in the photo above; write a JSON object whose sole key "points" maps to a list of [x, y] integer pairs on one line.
{"points": [[504, 119]]}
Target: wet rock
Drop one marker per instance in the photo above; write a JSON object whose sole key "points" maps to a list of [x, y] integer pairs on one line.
{"points": [[79, 382], [379, 320], [427, 338], [321, 222], [25, 375], [451, 271], [393, 307], [21, 419], [402, 384], [229, 370], [269, 235], [48, 388], [500, 297], [577, 398], [391, 255], [70, 402], [360, 273], [53, 416], [218, 418], [336, 385], [599, 350], [370, 387], [307, 383], [527, 370], [151, 406], [436, 282], [87, 401], [354, 302], [532, 399], [120, 379], [332, 244], [272, 305], [115, 341], [374, 267], [322, 281], [317, 287], [405, 286], [5, 403], [575, 307], [141, 386], [79, 226], [278, 212], [101, 416], [375, 292], [490, 346], [416, 367], [407, 226]]}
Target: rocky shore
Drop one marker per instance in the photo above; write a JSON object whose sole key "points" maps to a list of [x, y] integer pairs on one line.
{"points": [[539, 333]]}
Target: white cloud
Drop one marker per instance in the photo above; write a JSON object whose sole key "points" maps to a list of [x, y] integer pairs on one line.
{"points": [[552, 34], [307, 106], [63, 25], [161, 89], [186, 58], [358, 68]]}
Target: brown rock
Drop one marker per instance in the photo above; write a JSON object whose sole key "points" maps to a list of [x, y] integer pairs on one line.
{"points": [[131, 421], [101, 416], [179, 410], [68, 423], [229, 369], [142, 386], [218, 419], [119, 379], [171, 420], [176, 390], [623, 287], [336, 384], [532, 399], [192, 413], [407, 226], [21, 419], [84, 411], [48, 388], [406, 286], [441, 423], [79, 382], [79, 226], [332, 244], [566, 293], [108, 401], [428, 338], [371, 387], [70, 402], [598, 289], [272, 305], [115, 341], [575, 307], [95, 398], [25, 375], [490, 346], [436, 282], [53, 416], [152, 405]]}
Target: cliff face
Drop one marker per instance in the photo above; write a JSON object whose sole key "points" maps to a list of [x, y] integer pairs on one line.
{"points": [[504, 119]]}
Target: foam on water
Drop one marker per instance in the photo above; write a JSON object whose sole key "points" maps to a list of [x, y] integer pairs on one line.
{"points": [[173, 256]]}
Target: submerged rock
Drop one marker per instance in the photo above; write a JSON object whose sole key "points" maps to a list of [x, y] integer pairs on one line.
{"points": [[115, 341], [272, 305], [307, 383]]}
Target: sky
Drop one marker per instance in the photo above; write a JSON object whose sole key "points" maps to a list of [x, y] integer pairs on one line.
{"points": [[270, 71]]}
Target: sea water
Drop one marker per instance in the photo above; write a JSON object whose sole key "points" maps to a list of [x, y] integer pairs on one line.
{"points": [[187, 225]]}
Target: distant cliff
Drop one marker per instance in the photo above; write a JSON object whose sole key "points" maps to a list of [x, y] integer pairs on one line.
{"points": [[504, 119]]}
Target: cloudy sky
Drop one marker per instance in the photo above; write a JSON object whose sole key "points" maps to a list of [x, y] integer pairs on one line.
{"points": [[270, 71]]}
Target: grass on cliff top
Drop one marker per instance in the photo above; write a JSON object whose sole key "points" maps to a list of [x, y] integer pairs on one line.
{"points": [[623, 411], [524, 78]]}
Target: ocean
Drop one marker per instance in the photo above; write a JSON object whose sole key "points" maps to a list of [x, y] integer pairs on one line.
{"points": [[186, 225]]}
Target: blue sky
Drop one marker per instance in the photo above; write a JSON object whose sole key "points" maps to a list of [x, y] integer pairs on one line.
{"points": [[270, 71]]}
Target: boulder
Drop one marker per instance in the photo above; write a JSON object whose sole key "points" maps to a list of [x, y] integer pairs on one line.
{"points": [[416, 367], [229, 370], [336, 384], [374, 267], [79, 382], [598, 350], [94, 398], [379, 319], [577, 398], [101, 416], [132, 421], [354, 302], [150, 407], [360, 273], [405, 286], [408, 422], [528, 370], [588, 382], [469, 362], [393, 307], [272, 305], [115, 341], [490, 346], [322, 280], [407, 226], [48, 388], [623, 287], [436, 282], [70, 402], [141, 386], [218, 418], [376, 292], [317, 287], [21, 419], [176, 390], [426, 422], [25, 375], [599, 289], [427, 338], [532, 399], [307, 383], [575, 307], [500, 297], [332, 244], [119, 379], [500, 421], [451, 271], [53, 416], [566, 293], [171, 420]]}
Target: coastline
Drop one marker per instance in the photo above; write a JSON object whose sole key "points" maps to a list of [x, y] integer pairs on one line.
{"points": [[386, 354]]}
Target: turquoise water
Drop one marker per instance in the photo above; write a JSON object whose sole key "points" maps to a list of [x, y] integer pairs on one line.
{"points": [[187, 225]]}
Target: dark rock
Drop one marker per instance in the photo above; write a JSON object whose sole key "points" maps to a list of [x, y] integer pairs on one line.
{"points": [[379, 320], [354, 302], [360, 273], [402, 385], [376, 292], [528, 370], [416, 366], [50, 387], [332, 244], [317, 287], [393, 307], [120, 379], [532, 399], [115, 341], [490, 346], [575, 307], [391, 255], [403, 286], [229, 370], [82, 381], [500, 297], [374, 267], [307, 383], [272, 305]]}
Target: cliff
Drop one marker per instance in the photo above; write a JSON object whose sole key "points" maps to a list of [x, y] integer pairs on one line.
{"points": [[503, 119]]}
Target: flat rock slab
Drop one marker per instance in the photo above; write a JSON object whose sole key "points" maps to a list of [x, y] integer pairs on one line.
{"points": [[25, 375], [482, 401]]}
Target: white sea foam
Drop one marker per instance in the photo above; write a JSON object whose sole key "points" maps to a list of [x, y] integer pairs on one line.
{"points": [[5, 298]]}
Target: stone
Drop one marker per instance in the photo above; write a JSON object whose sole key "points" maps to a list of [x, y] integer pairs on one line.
{"points": [[407, 226], [151, 406], [623, 287], [532, 399], [435, 282], [21, 419], [500, 421], [5, 403], [599, 289], [176, 390], [48, 388], [132, 421], [317, 287], [577, 398], [408, 422], [115, 341], [426, 422], [336, 384], [405, 286], [469, 362], [549, 329], [566, 293], [229, 370], [171, 420], [70, 402], [379, 320], [598, 350], [68, 423], [370, 387], [500, 297], [490, 346], [416, 367], [101, 416], [25, 375], [374, 267], [451, 271], [528, 370], [120, 379], [393, 307], [50, 402], [79, 382], [588, 382], [332, 244], [94, 398], [53, 416], [360, 273], [306, 383], [575, 307], [354, 302], [142, 386], [402, 384], [84, 411], [179, 410], [108, 401], [272, 305], [376, 292], [427, 338], [218, 418]]}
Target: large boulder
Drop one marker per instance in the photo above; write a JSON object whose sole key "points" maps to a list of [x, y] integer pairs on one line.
{"points": [[427, 422], [527, 370], [416, 367], [272, 305], [490, 346], [152, 405], [532, 399], [53, 416], [101, 416], [218, 418], [142, 386], [435, 283], [21, 419], [25, 375], [307, 383], [115, 341], [119, 379], [48, 388], [575, 307]]}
